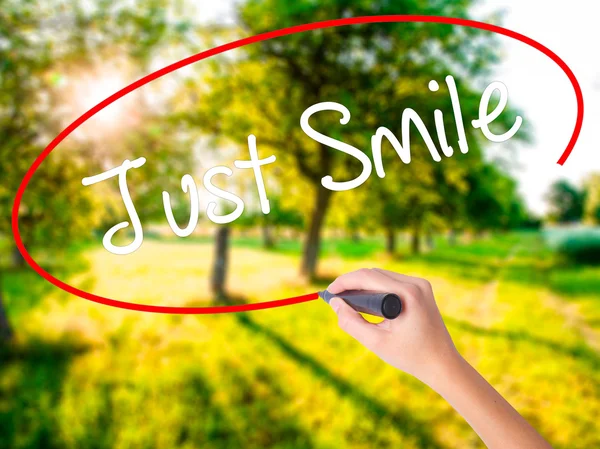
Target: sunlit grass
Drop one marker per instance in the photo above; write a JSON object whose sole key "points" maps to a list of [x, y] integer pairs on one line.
{"points": [[87, 375]]}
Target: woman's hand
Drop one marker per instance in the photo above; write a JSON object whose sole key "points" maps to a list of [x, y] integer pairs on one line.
{"points": [[416, 342]]}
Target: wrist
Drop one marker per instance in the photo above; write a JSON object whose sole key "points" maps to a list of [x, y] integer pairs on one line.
{"points": [[447, 371]]}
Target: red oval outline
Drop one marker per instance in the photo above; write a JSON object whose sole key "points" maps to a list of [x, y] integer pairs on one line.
{"points": [[230, 46]]}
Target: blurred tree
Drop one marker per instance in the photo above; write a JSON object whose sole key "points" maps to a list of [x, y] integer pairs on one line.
{"points": [[592, 199], [492, 201], [347, 213], [39, 42], [566, 202], [429, 196], [22, 61], [280, 216], [374, 70], [220, 264]]}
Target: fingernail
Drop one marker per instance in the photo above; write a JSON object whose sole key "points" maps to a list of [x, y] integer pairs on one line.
{"points": [[335, 304]]}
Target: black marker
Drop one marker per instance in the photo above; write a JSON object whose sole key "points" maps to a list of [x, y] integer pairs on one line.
{"points": [[385, 305]]}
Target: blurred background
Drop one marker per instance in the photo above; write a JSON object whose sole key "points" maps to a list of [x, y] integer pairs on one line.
{"points": [[509, 240]]}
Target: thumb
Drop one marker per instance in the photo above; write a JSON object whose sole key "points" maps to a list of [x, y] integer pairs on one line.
{"points": [[352, 322]]}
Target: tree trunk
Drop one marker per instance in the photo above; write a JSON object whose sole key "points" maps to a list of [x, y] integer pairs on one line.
{"points": [[429, 240], [452, 237], [312, 243], [268, 240], [17, 258], [390, 242], [5, 329], [416, 241], [219, 272]]}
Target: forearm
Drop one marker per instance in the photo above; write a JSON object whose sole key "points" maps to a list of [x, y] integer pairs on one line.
{"points": [[418, 343], [496, 422]]}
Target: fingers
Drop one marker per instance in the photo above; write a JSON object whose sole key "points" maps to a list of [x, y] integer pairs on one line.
{"points": [[363, 279], [351, 322], [367, 279], [423, 283]]}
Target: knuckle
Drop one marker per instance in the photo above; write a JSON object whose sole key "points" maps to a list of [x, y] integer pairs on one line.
{"points": [[425, 285], [332, 287], [364, 272], [413, 290]]}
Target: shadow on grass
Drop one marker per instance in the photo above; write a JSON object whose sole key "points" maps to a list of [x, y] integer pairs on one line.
{"points": [[571, 280], [31, 390], [324, 279], [593, 323], [23, 289], [215, 426], [464, 266], [533, 265], [259, 405], [407, 424], [347, 248], [581, 352], [33, 387], [251, 422]]}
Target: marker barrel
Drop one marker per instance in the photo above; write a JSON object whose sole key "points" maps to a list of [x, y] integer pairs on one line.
{"points": [[385, 305]]}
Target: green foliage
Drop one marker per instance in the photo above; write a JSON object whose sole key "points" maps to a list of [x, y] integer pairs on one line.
{"points": [[282, 216], [492, 201], [22, 61], [566, 202], [592, 199], [45, 46], [279, 216], [376, 71], [581, 245]]}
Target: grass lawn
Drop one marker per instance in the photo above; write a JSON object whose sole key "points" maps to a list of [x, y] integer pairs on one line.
{"points": [[83, 375]]}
